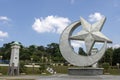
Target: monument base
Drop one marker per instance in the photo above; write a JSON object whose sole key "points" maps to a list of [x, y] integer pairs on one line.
{"points": [[85, 71]]}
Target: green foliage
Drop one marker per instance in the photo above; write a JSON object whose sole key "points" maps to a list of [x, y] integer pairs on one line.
{"points": [[106, 66], [42, 68], [22, 67], [4, 70], [5, 51], [29, 70], [52, 54], [36, 58], [108, 56], [116, 56], [24, 53], [82, 52]]}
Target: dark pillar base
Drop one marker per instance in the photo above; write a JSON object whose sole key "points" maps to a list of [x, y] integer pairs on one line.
{"points": [[85, 71], [13, 71]]}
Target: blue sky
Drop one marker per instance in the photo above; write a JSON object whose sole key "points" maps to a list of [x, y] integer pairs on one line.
{"points": [[40, 22]]}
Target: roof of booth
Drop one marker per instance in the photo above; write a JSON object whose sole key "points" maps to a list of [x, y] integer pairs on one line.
{"points": [[16, 43]]}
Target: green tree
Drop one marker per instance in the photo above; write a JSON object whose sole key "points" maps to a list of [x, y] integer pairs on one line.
{"points": [[81, 52], [41, 48], [24, 53], [32, 49], [36, 58], [54, 51], [116, 56], [107, 57], [5, 51]]}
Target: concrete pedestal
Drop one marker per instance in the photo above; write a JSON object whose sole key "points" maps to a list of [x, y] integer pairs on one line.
{"points": [[85, 71]]}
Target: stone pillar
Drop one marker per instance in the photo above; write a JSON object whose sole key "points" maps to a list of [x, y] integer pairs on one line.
{"points": [[14, 59]]}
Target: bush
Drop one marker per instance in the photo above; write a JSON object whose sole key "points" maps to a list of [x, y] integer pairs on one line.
{"points": [[106, 66], [42, 68], [22, 67]]}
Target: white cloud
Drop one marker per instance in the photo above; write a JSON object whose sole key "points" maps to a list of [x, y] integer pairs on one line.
{"points": [[4, 18], [50, 24], [114, 46], [77, 44], [4, 21], [95, 17], [3, 34]]}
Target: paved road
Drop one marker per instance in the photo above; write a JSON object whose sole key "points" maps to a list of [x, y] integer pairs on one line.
{"points": [[63, 77]]}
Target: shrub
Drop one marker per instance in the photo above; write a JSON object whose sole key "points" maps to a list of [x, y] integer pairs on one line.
{"points": [[106, 66], [42, 68], [22, 67]]}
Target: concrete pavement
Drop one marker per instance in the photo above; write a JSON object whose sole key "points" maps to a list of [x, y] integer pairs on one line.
{"points": [[62, 77]]}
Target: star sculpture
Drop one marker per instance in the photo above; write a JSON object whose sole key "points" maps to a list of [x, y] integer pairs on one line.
{"points": [[91, 34]]}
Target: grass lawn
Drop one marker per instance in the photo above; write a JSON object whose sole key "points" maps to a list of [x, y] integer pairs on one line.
{"points": [[114, 71], [4, 70], [61, 69], [58, 69]]}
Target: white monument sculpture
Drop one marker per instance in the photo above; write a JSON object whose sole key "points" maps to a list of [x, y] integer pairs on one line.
{"points": [[14, 59], [90, 34], [94, 51]]}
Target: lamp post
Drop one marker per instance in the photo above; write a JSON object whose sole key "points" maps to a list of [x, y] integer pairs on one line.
{"points": [[1, 59], [118, 65], [31, 60], [33, 64], [42, 59]]}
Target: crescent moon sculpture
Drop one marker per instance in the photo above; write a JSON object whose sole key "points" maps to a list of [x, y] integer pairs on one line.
{"points": [[67, 51]]}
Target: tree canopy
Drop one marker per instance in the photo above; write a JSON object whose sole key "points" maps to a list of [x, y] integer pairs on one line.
{"points": [[51, 53]]}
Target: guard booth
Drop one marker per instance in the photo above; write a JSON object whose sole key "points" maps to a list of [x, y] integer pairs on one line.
{"points": [[14, 59]]}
